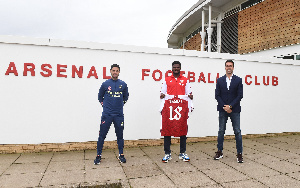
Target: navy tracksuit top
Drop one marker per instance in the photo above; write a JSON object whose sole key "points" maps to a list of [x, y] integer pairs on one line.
{"points": [[113, 94]]}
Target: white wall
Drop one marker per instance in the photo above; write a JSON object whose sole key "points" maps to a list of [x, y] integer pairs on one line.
{"points": [[37, 109], [279, 52]]}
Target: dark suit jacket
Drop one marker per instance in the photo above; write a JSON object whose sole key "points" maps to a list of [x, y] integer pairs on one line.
{"points": [[232, 96]]}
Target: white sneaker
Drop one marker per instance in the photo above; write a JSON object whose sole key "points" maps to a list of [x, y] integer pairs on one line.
{"points": [[184, 157], [167, 158]]}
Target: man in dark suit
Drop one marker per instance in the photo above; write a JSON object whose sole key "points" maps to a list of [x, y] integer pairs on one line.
{"points": [[228, 93]]}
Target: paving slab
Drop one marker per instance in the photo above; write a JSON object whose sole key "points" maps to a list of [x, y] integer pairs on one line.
{"points": [[279, 181], [68, 156], [278, 164], [253, 154], [203, 161], [24, 168], [245, 183], [141, 171], [20, 180], [6, 161], [225, 174], [103, 175], [294, 160], [294, 150], [34, 158], [153, 181], [255, 170], [65, 166], [269, 141], [195, 179], [295, 175], [269, 162], [62, 178], [290, 139]]}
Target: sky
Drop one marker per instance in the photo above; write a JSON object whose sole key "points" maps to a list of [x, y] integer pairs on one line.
{"points": [[129, 22]]}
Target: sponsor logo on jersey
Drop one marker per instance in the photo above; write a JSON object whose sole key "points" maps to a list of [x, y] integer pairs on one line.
{"points": [[117, 94], [176, 101]]}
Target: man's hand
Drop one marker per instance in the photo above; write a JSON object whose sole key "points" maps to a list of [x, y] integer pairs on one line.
{"points": [[229, 111], [101, 104], [191, 96], [226, 108], [162, 96]]}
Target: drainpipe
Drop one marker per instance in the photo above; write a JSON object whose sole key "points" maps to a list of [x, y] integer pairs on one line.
{"points": [[219, 34], [202, 33], [209, 29]]}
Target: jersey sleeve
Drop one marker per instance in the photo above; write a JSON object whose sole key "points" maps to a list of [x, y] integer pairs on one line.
{"points": [[164, 88], [101, 93], [188, 89], [125, 94]]}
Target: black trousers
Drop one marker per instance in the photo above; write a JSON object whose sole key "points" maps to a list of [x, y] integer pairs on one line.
{"points": [[167, 144]]}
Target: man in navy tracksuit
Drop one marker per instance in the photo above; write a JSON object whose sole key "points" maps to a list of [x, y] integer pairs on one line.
{"points": [[113, 94]]}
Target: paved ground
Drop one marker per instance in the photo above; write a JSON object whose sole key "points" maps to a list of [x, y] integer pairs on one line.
{"points": [[269, 162]]}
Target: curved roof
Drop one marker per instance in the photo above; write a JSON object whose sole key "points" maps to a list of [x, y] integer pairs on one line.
{"points": [[192, 19]]}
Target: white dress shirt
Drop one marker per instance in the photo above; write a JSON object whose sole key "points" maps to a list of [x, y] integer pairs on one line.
{"points": [[228, 81]]}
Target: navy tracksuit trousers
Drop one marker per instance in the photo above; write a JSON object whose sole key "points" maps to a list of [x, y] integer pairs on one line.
{"points": [[106, 121]]}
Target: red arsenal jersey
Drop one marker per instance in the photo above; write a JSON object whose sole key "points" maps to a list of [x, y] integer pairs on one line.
{"points": [[174, 117], [176, 86]]}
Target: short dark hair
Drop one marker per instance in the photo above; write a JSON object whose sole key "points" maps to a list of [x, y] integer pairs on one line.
{"points": [[176, 62], [229, 61], [115, 65]]}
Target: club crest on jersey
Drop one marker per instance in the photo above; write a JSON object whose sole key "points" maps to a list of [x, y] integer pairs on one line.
{"points": [[181, 81], [103, 122], [170, 80], [109, 88], [120, 86]]}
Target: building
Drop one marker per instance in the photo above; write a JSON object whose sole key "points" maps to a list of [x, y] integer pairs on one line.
{"points": [[240, 27]]}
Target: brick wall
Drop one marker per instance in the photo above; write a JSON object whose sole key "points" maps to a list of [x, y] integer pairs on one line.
{"points": [[76, 146], [194, 43], [269, 24]]}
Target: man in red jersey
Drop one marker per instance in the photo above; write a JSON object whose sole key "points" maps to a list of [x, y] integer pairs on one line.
{"points": [[176, 98]]}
